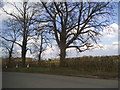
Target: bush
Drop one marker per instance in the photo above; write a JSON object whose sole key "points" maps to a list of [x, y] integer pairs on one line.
{"points": [[94, 64]]}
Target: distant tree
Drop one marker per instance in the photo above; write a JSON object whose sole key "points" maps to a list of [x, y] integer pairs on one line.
{"points": [[41, 41], [76, 24], [9, 33], [7, 49], [42, 37]]}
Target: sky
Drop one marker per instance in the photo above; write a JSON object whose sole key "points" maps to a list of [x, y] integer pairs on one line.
{"points": [[109, 42]]}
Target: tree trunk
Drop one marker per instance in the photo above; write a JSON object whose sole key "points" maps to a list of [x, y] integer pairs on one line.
{"points": [[9, 62], [10, 53], [24, 44], [39, 56], [23, 57], [62, 50], [10, 58], [63, 46], [41, 48], [24, 52], [62, 57]]}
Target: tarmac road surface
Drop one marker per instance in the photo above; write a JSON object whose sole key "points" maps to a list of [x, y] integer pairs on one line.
{"points": [[37, 80]]}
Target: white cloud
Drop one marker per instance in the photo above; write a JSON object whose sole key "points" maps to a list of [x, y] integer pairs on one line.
{"points": [[109, 43], [115, 43], [107, 50], [51, 52], [110, 31], [8, 6], [4, 16]]}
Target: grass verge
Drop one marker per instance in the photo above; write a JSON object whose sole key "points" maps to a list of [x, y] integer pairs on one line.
{"points": [[68, 72]]}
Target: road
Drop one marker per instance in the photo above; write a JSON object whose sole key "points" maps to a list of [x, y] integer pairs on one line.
{"points": [[31, 80]]}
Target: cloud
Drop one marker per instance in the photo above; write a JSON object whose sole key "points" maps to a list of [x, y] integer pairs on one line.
{"points": [[4, 16], [109, 42], [10, 8], [115, 43], [110, 31], [51, 52], [107, 50]]}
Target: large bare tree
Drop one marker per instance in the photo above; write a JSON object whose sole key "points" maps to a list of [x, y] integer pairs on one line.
{"points": [[23, 13], [76, 24]]}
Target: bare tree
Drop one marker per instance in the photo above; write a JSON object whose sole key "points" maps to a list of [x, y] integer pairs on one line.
{"points": [[8, 49], [41, 41], [23, 14], [9, 33], [76, 24]]}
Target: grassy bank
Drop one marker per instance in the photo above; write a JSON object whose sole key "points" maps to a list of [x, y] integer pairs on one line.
{"points": [[64, 71], [87, 66]]}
